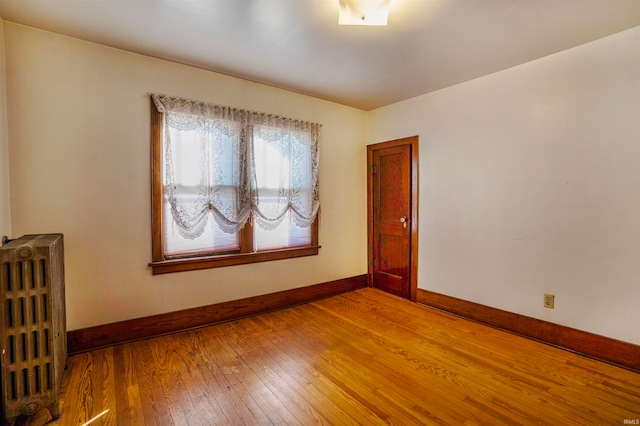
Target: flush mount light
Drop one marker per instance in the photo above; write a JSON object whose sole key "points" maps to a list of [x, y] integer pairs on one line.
{"points": [[363, 12]]}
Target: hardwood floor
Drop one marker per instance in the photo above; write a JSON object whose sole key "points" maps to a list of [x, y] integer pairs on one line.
{"points": [[364, 357]]}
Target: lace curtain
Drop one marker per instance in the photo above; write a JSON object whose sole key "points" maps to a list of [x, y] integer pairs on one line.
{"points": [[225, 163]]}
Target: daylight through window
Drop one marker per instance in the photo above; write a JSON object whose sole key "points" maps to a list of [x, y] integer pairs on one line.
{"points": [[230, 186]]}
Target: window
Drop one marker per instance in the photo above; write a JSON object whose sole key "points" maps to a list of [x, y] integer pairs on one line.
{"points": [[230, 186]]}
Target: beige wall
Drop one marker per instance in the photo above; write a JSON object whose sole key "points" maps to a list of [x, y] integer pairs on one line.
{"points": [[530, 184], [5, 212], [530, 180], [79, 132]]}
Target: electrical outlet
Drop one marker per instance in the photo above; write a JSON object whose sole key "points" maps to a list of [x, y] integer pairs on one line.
{"points": [[548, 300]]}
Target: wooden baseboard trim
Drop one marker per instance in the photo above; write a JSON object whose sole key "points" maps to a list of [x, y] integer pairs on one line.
{"points": [[101, 336], [606, 349]]}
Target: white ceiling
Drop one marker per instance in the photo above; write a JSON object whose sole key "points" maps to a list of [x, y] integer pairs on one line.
{"points": [[298, 45]]}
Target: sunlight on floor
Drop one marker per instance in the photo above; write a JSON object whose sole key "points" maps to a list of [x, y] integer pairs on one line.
{"points": [[96, 417]]}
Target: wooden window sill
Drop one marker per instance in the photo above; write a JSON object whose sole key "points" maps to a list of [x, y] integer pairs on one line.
{"points": [[207, 262]]}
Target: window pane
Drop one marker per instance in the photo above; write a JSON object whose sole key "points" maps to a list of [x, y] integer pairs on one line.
{"points": [[212, 240], [287, 234], [189, 152], [205, 169]]}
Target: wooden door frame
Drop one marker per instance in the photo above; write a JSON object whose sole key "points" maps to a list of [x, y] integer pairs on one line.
{"points": [[413, 256]]}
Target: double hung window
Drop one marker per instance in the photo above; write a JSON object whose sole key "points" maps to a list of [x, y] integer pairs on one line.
{"points": [[230, 186]]}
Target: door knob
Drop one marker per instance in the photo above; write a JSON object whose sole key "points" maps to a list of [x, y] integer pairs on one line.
{"points": [[404, 221]]}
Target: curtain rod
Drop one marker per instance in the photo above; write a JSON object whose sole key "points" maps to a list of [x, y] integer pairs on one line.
{"points": [[241, 110]]}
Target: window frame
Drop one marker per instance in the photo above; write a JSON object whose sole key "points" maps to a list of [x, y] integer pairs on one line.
{"points": [[162, 264]]}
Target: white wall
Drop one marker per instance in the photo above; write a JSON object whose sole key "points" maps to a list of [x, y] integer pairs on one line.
{"points": [[79, 132], [530, 184], [5, 212]]}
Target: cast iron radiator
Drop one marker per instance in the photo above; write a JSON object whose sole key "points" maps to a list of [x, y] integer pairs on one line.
{"points": [[33, 325]]}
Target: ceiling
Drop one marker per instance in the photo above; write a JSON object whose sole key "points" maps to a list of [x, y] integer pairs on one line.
{"points": [[298, 45]]}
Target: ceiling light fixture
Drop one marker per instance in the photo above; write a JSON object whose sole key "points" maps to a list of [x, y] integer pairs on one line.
{"points": [[363, 12]]}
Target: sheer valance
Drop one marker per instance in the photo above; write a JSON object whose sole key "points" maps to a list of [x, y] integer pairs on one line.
{"points": [[226, 163]]}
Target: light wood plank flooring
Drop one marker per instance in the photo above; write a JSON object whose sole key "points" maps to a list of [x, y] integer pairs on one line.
{"points": [[364, 357]]}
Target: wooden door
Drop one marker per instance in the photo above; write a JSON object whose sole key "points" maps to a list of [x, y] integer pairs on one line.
{"points": [[393, 227]]}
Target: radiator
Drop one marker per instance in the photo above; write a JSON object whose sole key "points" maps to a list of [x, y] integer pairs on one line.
{"points": [[33, 325]]}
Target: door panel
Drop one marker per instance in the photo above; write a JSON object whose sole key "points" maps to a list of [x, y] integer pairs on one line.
{"points": [[392, 273], [392, 210]]}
